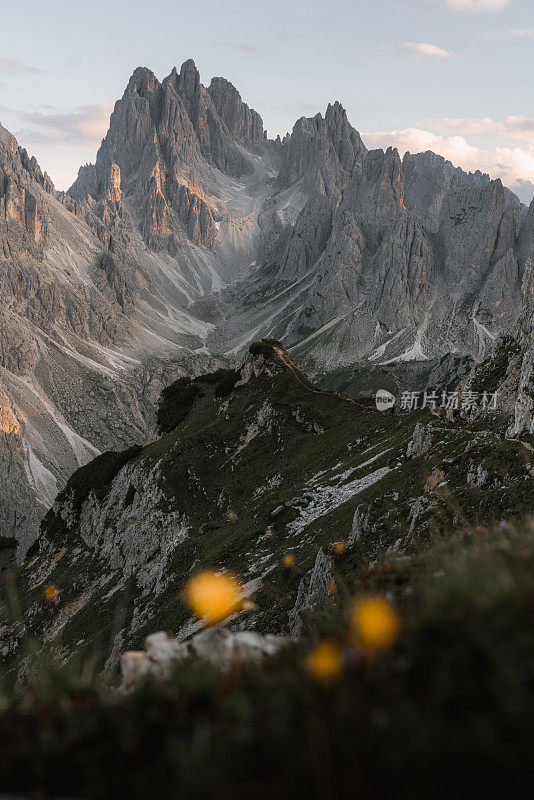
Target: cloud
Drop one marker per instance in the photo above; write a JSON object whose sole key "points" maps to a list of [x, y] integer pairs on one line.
{"points": [[10, 67], [424, 49], [457, 5], [512, 127], [511, 35], [514, 165], [45, 125], [477, 5], [416, 48]]}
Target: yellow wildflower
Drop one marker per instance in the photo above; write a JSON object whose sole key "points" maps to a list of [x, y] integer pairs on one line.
{"points": [[213, 596], [51, 592], [375, 623], [325, 663]]}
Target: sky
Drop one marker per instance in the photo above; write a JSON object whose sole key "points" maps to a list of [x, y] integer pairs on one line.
{"points": [[451, 76]]}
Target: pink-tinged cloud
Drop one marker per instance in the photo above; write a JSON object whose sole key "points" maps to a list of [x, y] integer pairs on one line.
{"points": [[10, 67], [512, 35], [85, 124], [416, 49], [425, 49], [477, 5]]}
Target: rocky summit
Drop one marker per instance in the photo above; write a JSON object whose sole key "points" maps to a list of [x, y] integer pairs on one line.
{"points": [[193, 234]]}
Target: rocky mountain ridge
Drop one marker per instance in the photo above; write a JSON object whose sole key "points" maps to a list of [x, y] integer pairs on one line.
{"points": [[193, 234]]}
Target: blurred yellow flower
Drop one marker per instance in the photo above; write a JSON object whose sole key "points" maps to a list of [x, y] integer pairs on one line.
{"points": [[51, 592], [339, 547], [375, 623], [331, 586], [325, 663], [213, 596], [288, 560]]}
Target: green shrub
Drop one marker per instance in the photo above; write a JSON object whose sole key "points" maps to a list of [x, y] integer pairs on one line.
{"points": [[176, 402]]}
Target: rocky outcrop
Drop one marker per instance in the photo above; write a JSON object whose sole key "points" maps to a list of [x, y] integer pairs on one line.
{"points": [[220, 647], [22, 221], [360, 526], [196, 216], [421, 441], [312, 592]]}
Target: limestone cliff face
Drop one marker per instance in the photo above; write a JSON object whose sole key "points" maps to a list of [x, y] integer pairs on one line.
{"points": [[322, 152], [158, 156], [150, 152], [77, 364], [243, 123], [215, 140], [22, 222], [428, 179], [387, 260], [520, 372]]}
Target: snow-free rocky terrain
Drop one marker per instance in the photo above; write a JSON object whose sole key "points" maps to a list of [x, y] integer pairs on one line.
{"points": [[252, 465], [193, 234]]}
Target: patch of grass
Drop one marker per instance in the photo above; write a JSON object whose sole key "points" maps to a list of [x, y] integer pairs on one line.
{"points": [[454, 697], [223, 379], [176, 402]]}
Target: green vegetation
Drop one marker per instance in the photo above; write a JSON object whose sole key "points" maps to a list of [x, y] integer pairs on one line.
{"points": [[96, 478], [224, 380], [453, 698], [177, 400]]}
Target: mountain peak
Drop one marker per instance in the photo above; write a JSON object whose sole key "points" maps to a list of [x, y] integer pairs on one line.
{"points": [[322, 150], [335, 109], [242, 122], [189, 77], [142, 78]]}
